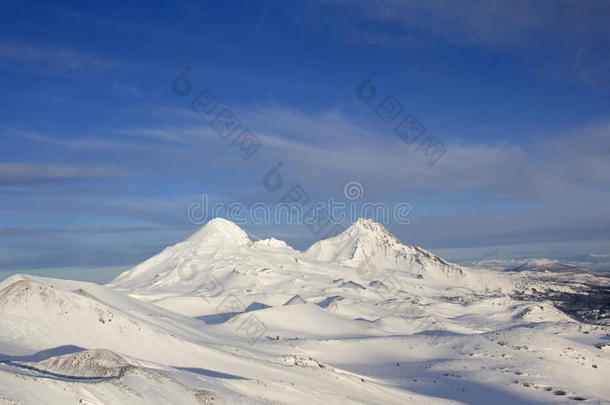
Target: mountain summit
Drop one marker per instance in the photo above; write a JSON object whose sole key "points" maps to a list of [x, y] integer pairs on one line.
{"points": [[220, 230]]}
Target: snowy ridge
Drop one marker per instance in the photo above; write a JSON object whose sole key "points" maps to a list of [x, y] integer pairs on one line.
{"points": [[272, 243]]}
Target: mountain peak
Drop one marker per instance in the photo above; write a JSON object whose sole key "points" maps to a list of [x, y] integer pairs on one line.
{"points": [[220, 229], [368, 227], [364, 236], [367, 241], [180, 262], [367, 221]]}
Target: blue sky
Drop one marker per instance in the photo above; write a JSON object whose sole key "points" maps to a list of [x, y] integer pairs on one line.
{"points": [[100, 160]]}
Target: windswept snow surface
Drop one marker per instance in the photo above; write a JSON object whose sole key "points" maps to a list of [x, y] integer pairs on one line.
{"points": [[358, 318]]}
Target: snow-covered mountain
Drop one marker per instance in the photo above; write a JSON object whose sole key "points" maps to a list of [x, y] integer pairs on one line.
{"points": [[357, 318], [222, 249], [363, 239], [367, 244]]}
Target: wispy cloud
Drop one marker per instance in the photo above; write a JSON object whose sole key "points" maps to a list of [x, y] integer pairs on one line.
{"points": [[11, 173], [342, 148], [24, 56], [491, 23], [565, 39], [332, 146], [81, 143], [556, 186], [71, 230]]}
